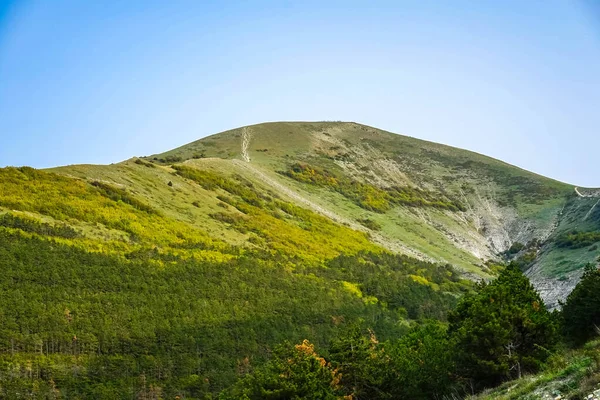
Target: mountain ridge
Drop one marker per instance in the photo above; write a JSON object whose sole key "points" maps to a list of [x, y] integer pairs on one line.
{"points": [[474, 152]]}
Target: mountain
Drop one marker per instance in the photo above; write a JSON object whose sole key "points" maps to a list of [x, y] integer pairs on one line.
{"points": [[180, 271], [497, 205]]}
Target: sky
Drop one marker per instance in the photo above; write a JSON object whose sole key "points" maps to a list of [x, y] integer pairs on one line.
{"points": [[103, 81]]}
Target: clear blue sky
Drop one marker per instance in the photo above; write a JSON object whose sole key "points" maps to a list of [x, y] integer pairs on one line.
{"points": [[102, 81]]}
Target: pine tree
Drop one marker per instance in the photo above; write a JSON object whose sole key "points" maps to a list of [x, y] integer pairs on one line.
{"points": [[502, 331], [421, 365], [358, 357], [295, 372], [581, 312]]}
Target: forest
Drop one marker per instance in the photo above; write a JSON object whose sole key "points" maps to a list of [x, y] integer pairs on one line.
{"points": [[105, 296], [92, 324], [78, 324], [498, 332]]}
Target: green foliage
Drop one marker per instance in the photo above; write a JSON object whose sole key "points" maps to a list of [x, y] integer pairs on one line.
{"points": [[282, 226], [576, 240], [117, 284], [421, 364], [69, 200], [118, 194], [568, 374], [495, 333], [516, 248], [358, 366], [296, 372], [168, 159], [168, 323], [369, 223], [182, 323], [392, 279], [502, 331], [416, 366], [360, 360], [139, 161], [25, 224], [581, 312], [526, 259], [368, 196]]}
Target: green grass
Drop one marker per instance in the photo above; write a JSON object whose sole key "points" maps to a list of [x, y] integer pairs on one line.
{"points": [[571, 374]]}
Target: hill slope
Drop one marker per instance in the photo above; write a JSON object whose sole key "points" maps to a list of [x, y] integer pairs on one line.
{"points": [[349, 172]]}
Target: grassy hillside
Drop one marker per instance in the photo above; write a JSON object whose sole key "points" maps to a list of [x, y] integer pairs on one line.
{"points": [[428, 200]]}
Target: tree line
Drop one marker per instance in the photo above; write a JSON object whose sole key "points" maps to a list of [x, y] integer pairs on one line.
{"points": [[499, 332]]}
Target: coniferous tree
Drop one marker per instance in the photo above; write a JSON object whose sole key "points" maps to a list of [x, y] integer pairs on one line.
{"points": [[502, 331], [295, 372], [421, 364], [581, 312], [358, 357]]}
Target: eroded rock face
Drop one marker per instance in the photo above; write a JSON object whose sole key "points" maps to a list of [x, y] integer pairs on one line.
{"points": [[555, 291]]}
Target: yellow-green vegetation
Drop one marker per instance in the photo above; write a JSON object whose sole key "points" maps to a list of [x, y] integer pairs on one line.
{"points": [[117, 280], [282, 226], [368, 196], [75, 202], [446, 203]]}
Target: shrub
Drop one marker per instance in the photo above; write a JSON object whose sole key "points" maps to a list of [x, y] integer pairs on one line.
{"points": [[577, 240], [118, 194], [41, 228], [369, 223]]}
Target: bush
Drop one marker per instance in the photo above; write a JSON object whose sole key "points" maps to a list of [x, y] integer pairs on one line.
{"points": [[118, 194], [516, 248], [369, 223], [41, 228], [577, 240]]}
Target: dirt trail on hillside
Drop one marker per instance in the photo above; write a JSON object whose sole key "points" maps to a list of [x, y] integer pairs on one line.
{"points": [[281, 189], [596, 193], [246, 136]]}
